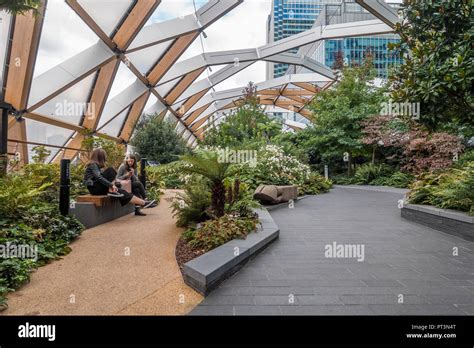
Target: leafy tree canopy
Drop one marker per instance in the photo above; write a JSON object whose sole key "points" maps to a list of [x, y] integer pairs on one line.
{"points": [[438, 68], [156, 139], [246, 126], [338, 114]]}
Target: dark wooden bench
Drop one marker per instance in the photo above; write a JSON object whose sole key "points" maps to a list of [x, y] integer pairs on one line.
{"points": [[96, 210], [99, 201]]}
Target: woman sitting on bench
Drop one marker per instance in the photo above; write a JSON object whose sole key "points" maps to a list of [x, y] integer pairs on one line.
{"points": [[100, 182], [128, 171]]}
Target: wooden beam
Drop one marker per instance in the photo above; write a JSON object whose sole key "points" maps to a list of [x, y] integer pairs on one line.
{"points": [[66, 125], [24, 48], [298, 99], [268, 92], [307, 86], [286, 92], [188, 104], [135, 20], [71, 149], [182, 85], [170, 57], [53, 121], [99, 95], [289, 103], [133, 116], [70, 84], [195, 114], [199, 123], [98, 98]]}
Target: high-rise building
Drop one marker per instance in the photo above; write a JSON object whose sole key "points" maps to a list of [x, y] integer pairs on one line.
{"points": [[290, 17]]}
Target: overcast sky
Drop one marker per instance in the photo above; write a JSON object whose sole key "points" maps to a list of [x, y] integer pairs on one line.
{"points": [[65, 34]]}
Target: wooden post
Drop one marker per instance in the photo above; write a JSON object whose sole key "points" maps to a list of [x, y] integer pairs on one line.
{"points": [[5, 109]]}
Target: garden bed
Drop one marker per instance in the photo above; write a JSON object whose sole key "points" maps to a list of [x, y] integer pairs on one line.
{"points": [[206, 271], [445, 220]]}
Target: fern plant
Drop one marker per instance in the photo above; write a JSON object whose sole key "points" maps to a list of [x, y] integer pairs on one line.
{"points": [[207, 164], [18, 193], [191, 206]]}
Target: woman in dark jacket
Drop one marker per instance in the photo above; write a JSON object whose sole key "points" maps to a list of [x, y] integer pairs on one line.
{"points": [[128, 171], [100, 182]]}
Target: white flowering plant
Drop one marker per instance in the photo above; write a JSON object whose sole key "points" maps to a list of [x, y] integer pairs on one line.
{"points": [[275, 167]]}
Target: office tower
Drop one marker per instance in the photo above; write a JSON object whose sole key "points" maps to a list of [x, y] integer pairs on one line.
{"points": [[290, 17]]}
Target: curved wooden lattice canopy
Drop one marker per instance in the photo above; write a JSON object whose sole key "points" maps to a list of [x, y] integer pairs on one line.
{"points": [[151, 53]]}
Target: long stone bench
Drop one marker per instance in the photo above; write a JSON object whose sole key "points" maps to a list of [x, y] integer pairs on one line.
{"points": [[95, 210], [207, 271], [445, 220]]}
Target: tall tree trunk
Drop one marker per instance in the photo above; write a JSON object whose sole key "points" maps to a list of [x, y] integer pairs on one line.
{"points": [[218, 198], [373, 154]]}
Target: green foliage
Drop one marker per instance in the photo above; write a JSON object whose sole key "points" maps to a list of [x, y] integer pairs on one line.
{"points": [[156, 140], [452, 188], [245, 127], [19, 7], [367, 173], [378, 175], [41, 153], [338, 115], [239, 199], [397, 179], [115, 151], [15, 272], [314, 185], [29, 216], [192, 205], [438, 68], [17, 194], [214, 233], [465, 158], [207, 164], [275, 167], [169, 175], [48, 174]]}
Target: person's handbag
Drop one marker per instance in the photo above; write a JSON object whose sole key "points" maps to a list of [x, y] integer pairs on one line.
{"points": [[126, 185]]}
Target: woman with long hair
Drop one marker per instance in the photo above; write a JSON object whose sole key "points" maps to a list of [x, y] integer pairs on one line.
{"points": [[128, 171], [102, 182]]}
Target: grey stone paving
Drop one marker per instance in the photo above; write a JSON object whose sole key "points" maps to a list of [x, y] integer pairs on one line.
{"points": [[293, 276]]}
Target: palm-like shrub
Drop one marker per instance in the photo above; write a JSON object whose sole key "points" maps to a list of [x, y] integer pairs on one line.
{"points": [[207, 164]]}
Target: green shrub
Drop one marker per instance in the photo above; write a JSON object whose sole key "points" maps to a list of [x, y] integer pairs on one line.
{"points": [[397, 179], [368, 172], [450, 189], [343, 179], [465, 158], [239, 198], [191, 206], [274, 167], [169, 175], [17, 194], [216, 232], [29, 215], [314, 185], [156, 139]]}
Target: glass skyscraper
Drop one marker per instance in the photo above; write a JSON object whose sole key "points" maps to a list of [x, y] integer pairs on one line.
{"points": [[290, 17]]}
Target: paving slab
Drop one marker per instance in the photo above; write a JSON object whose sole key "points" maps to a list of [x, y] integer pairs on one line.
{"points": [[400, 258]]}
